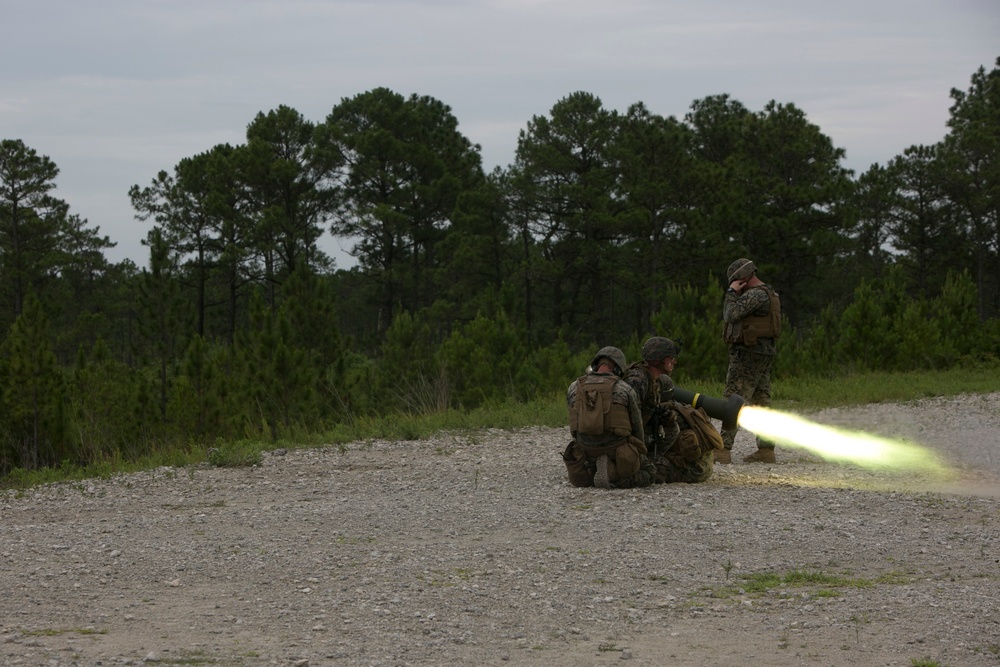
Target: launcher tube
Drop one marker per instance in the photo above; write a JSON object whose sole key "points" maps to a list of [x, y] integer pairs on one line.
{"points": [[726, 410]]}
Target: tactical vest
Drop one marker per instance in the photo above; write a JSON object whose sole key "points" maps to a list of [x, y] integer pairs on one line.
{"points": [[752, 327], [594, 411]]}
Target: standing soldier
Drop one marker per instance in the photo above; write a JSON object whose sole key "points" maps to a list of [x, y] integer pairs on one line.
{"points": [[752, 323]]}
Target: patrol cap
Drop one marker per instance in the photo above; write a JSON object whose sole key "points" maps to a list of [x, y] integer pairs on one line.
{"points": [[658, 347], [741, 269]]}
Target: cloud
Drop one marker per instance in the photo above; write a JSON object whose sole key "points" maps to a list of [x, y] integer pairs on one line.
{"points": [[115, 90]]}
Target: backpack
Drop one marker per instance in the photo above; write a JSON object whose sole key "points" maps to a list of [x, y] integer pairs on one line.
{"points": [[708, 437], [594, 411]]}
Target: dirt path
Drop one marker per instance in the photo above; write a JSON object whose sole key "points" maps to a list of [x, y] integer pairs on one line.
{"points": [[471, 549]]}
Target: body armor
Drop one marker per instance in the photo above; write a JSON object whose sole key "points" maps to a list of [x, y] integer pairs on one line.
{"points": [[595, 413], [752, 327]]}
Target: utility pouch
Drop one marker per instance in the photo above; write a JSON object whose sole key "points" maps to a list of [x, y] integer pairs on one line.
{"points": [[688, 446], [576, 466], [627, 460], [708, 438]]}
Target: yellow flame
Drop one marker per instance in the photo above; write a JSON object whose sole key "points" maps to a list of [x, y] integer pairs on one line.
{"points": [[837, 444]]}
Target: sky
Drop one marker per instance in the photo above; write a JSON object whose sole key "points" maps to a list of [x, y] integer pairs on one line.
{"points": [[114, 91]]}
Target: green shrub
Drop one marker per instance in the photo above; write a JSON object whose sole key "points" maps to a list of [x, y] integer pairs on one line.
{"points": [[236, 454], [483, 361], [694, 316]]}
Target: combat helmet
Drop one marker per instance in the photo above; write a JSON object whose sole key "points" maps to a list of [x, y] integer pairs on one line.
{"points": [[612, 353], [658, 347], [741, 269]]}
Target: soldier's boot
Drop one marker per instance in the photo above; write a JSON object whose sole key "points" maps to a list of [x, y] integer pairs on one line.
{"points": [[723, 455], [601, 479], [639, 479], [762, 455]]}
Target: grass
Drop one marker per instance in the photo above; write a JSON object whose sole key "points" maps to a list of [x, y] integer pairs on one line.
{"points": [[821, 584], [803, 578], [818, 584], [790, 394], [795, 394], [760, 583]]}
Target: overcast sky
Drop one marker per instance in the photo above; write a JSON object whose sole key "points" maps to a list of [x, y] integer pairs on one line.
{"points": [[113, 91]]}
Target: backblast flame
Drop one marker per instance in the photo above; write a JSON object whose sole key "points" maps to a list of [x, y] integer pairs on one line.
{"points": [[838, 444]]}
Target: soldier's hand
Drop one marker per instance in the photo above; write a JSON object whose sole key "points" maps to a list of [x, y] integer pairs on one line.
{"points": [[664, 415]]}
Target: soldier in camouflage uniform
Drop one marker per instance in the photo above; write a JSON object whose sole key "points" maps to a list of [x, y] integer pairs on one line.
{"points": [[751, 315], [608, 449], [676, 459]]}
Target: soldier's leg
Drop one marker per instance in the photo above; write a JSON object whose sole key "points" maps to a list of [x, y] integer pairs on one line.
{"points": [[690, 472], [740, 379], [762, 397], [645, 476], [762, 391]]}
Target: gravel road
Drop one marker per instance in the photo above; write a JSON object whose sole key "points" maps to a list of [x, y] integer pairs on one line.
{"points": [[471, 549]]}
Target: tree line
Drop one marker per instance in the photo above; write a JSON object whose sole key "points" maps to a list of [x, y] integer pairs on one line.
{"points": [[470, 286]]}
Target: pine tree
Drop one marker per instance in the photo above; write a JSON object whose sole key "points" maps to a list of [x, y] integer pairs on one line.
{"points": [[34, 395], [275, 378], [161, 318]]}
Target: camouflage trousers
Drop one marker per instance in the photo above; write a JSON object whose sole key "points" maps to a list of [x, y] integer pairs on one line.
{"points": [[749, 375], [646, 476], [672, 469], [581, 470], [672, 466]]}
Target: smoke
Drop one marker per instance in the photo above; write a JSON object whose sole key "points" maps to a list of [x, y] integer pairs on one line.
{"points": [[839, 444]]}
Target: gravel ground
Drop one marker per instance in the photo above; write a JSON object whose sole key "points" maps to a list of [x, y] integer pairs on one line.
{"points": [[471, 549]]}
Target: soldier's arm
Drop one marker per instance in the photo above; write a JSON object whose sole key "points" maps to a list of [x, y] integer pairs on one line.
{"points": [[739, 306], [666, 388], [637, 381], [635, 414]]}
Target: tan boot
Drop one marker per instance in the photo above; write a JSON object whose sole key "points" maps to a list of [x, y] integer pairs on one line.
{"points": [[762, 455], [723, 455], [601, 479]]}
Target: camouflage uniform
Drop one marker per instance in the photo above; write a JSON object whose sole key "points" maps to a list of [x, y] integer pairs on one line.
{"points": [[749, 373], [583, 451], [662, 438]]}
